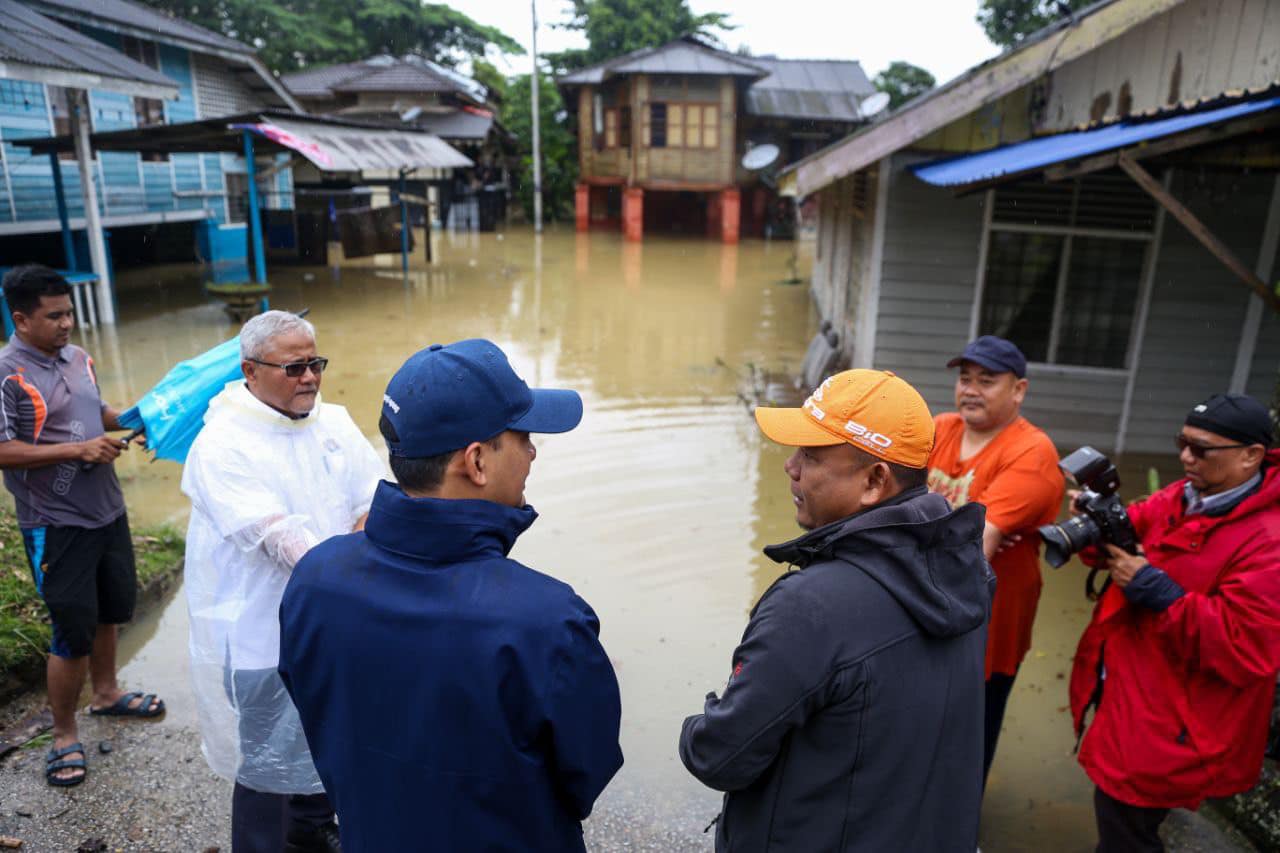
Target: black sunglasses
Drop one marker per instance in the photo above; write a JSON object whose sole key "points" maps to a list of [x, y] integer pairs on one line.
{"points": [[1199, 450], [295, 369]]}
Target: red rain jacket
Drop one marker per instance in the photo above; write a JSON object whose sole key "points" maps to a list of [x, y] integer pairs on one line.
{"points": [[1187, 697]]}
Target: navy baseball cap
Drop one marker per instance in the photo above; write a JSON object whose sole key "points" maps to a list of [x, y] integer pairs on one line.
{"points": [[447, 396], [995, 354]]}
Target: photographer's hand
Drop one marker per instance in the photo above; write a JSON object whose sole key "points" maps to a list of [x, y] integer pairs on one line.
{"points": [[1123, 565]]}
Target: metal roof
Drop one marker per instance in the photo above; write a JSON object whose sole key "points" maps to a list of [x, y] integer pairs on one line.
{"points": [[462, 124], [1036, 154], [814, 89], [682, 56], [122, 13], [814, 75], [36, 48], [333, 145], [1046, 50], [400, 77], [382, 74]]}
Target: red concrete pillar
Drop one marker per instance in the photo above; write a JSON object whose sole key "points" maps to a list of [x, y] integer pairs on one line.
{"points": [[582, 206], [713, 216], [633, 214], [730, 215]]}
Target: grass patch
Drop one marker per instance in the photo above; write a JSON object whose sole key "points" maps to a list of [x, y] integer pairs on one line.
{"points": [[24, 622]]}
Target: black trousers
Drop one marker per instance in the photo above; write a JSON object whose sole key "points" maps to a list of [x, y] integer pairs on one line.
{"points": [[999, 686], [261, 822], [1123, 828]]}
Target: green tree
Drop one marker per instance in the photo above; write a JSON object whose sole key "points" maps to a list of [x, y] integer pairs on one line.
{"points": [[902, 81], [487, 75], [614, 27], [1008, 22], [292, 34], [559, 155]]}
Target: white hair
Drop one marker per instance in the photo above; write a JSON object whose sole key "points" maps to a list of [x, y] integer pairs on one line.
{"points": [[258, 333]]}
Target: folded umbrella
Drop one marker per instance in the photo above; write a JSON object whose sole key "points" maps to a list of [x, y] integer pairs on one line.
{"points": [[172, 413]]}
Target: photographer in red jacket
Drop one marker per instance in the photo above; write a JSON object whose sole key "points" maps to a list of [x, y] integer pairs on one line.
{"points": [[1182, 652]]}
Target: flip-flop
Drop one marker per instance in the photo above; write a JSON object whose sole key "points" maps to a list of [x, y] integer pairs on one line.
{"points": [[122, 708], [56, 760]]}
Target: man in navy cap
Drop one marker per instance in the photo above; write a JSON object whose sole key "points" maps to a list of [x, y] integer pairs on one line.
{"points": [[986, 452], [453, 698]]}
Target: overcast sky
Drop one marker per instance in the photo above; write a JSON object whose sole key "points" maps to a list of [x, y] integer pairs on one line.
{"points": [[939, 35]]}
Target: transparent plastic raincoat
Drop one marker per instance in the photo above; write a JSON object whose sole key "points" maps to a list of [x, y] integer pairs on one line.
{"points": [[264, 489]]}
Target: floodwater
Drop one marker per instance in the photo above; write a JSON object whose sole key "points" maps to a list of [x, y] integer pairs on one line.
{"points": [[655, 509]]}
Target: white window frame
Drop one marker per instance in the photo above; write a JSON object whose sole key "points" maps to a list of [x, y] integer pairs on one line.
{"points": [[991, 225]]}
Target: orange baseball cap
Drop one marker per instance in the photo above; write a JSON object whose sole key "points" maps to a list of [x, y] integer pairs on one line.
{"points": [[873, 410]]}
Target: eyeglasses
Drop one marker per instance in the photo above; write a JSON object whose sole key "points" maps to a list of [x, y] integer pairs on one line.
{"points": [[295, 369], [1199, 450]]}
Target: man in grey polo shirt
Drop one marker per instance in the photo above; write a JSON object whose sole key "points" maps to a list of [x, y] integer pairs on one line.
{"points": [[57, 463]]}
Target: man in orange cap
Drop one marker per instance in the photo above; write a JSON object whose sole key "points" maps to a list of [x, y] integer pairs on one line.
{"points": [[853, 716]]}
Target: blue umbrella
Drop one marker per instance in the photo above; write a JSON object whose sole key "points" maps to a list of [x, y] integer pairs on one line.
{"points": [[172, 413]]}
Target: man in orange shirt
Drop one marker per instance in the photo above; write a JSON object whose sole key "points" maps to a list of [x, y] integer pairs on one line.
{"points": [[986, 452]]}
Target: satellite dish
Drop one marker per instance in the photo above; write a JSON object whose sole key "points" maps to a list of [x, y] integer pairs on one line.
{"points": [[760, 157], [411, 114], [873, 104]]}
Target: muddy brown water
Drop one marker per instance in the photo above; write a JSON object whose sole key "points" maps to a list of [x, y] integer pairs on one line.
{"points": [[655, 509]]}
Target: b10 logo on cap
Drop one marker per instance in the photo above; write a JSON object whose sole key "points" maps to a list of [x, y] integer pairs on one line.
{"points": [[867, 436]]}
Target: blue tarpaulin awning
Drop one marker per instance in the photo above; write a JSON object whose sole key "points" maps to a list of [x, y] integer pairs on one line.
{"points": [[1036, 154]]}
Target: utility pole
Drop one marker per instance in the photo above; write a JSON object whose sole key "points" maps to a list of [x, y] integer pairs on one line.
{"points": [[537, 130]]}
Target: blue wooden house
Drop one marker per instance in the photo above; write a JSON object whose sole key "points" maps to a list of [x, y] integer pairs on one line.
{"points": [[215, 76]]}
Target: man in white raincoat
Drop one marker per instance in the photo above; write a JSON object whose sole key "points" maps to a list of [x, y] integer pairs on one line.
{"points": [[273, 472]]}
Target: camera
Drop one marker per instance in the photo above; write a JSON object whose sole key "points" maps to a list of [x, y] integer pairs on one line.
{"points": [[1102, 517]]}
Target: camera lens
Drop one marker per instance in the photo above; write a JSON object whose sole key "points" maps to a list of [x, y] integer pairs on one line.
{"points": [[1063, 540]]}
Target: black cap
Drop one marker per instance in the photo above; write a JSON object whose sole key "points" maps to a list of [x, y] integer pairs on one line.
{"points": [[1234, 416], [995, 354]]}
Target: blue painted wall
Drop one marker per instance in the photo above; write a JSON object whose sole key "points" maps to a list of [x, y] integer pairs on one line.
{"points": [[126, 183]]}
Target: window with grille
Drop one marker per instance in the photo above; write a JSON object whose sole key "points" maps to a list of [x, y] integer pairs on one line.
{"points": [[1063, 266]]}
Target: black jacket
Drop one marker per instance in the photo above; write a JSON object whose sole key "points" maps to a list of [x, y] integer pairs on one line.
{"points": [[853, 718]]}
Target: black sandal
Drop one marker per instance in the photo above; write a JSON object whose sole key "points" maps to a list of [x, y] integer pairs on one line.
{"points": [[56, 760], [122, 708]]}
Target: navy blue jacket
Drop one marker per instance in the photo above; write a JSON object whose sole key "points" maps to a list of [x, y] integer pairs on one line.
{"points": [[853, 718], [453, 699]]}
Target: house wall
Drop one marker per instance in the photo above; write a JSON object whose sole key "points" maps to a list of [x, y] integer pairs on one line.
{"points": [[127, 185], [662, 166], [928, 286], [1195, 52], [218, 89], [842, 263], [1198, 308]]}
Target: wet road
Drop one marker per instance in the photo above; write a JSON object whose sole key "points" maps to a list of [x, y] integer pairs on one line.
{"points": [[655, 509]]}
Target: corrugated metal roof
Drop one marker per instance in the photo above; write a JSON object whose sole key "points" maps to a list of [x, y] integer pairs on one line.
{"points": [[817, 89], [682, 56], [135, 16], [333, 145], [319, 82], [1037, 154], [401, 77], [339, 148], [685, 58], [816, 106], [382, 74], [28, 38], [814, 75], [458, 125]]}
